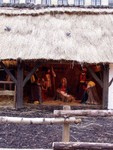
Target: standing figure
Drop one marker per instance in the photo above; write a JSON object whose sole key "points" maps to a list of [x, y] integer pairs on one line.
{"points": [[93, 97], [43, 88], [82, 81], [85, 94], [48, 83], [34, 96]]}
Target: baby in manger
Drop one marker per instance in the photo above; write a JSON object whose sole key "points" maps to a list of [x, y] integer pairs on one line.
{"points": [[62, 91]]}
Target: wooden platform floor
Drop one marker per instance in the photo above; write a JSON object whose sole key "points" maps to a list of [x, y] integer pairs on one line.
{"points": [[60, 103], [8, 101], [75, 104]]}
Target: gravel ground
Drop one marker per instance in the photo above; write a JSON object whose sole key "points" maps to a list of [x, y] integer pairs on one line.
{"points": [[42, 136]]}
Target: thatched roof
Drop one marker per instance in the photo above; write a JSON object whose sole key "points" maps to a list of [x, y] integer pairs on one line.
{"points": [[83, 35]]}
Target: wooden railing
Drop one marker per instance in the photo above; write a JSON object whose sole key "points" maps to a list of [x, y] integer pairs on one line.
{"points": [[67, 145], [65, 119], [10, 91]]}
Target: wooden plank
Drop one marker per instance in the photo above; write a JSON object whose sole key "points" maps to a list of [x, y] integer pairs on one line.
{"points": [[6, 82], [88, 113], [19, 86], [7, 92], [81, 146], [105, 86]]}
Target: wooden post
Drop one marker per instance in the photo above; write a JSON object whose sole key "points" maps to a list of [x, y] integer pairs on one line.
{"points": [[40, 94], [66, 128], [105, 86], [19, 85]]}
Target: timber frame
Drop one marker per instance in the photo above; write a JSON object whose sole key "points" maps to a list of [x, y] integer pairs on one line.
{"points": [[20, 81]]}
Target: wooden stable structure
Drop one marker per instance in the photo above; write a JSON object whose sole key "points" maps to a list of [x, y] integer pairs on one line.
{"points": [[36, 49], [20, 82]]}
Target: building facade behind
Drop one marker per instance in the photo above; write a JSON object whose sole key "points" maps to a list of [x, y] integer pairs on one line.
{"points": [[95, 3]]}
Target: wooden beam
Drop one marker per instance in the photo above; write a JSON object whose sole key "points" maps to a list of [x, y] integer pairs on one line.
{"points": [[30, 74], [81, 146], [21, 120], [19, 85], [111, 82], [40, 93], [88, 113], [8, 72], [94, 76], [105, 86]]}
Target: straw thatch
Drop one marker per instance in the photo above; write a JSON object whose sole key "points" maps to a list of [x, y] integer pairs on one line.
{"points": [[83, 35]]}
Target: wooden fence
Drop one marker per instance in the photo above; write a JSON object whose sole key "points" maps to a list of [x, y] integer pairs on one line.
{"points": [[10, 91], [65, 117], [66, 145]]}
